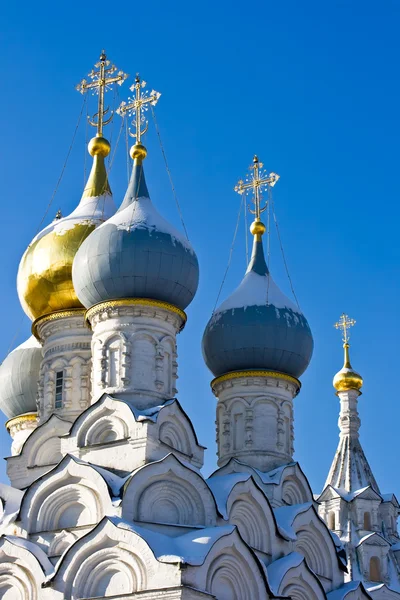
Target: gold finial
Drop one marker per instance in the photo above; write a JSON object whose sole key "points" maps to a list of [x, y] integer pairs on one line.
{"points": [[135, 107], [101, 83], [346, 379], [258, 181]]}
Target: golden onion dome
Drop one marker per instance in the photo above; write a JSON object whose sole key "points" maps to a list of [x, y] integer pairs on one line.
{"points": [[347, 379], [44, 278]]}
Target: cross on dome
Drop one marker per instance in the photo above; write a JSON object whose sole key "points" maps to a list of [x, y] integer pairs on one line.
{"points": [[137, 105], [258, 181], [344, 324], [102, 81]]}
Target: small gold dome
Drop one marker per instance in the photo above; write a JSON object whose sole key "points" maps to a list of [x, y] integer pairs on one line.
{"points": [[99, 146], [347, 379], [138, 151], [257, 227]]}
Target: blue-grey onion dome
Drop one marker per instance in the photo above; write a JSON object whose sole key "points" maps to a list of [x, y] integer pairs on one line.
{"points": [[257, 327], [136, 254], [19, 375]]}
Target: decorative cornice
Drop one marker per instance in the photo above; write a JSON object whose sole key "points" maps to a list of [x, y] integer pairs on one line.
{"points": [[20, 419], [61, 314], [265, 374], [122, 302]]}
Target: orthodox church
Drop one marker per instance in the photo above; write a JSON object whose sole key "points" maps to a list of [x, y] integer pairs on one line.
{"points": [[107, 498]]}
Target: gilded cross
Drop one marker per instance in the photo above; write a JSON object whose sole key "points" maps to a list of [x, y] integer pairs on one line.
{"points": [[101, 83], [258, 181], [344, 324], [137, 105]]}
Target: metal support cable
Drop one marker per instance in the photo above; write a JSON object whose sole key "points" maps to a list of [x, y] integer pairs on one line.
{"points": [[246, 234], [283, 255], [230, 253], [169, 172], [64, 166], [127, 149]]}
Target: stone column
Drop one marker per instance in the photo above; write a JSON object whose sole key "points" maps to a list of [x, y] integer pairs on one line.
{"points": [[349, 420], [255, 418], [134, 350], [64, 382]]}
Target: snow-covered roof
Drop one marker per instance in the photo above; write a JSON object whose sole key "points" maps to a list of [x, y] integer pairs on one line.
{"points": [[278, 569], [37, 552], [190, 548], [285, 516]]}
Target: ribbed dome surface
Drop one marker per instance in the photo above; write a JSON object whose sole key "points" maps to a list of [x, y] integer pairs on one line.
{"points": [[257, 327], [19, 374], [136, 254]]}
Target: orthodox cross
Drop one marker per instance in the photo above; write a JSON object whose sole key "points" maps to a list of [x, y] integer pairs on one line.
{"points": [[344, 324], [257, 181], [137, 105], [101, 82]]}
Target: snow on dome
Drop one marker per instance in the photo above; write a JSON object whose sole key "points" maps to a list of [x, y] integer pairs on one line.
{"points": [[19, 374], [257, 327], [136, 254]]}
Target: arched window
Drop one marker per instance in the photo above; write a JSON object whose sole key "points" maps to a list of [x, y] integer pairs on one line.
{"points": [[58, 397], [375, 569], [367, 521], [332, 520]]}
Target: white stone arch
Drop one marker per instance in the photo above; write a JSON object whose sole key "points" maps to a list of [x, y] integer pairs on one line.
{"points": [[107, 418], [230, 571], [265, 421], [288, 417], [296, 580], [176, 431], [167, 491], [237, 417], [143, 368], [249, 509], [114, 350], [43, 446], [110, 572], [294, 486], [174, 434], [166, 363], [21, 574], [315, 543], [60, 543], [109, 556], [70, 495]]}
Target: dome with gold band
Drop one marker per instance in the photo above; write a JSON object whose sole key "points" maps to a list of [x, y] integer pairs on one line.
{"points": [[347, 379], [45, 272]]}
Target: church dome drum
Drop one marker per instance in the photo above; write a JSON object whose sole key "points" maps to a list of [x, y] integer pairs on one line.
{"points": [[19, 374]]}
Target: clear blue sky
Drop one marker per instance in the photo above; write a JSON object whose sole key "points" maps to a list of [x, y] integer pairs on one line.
{"points": [[311, 87]]}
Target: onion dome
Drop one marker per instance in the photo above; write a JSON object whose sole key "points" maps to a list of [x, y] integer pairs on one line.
{"points": [[136, 253], [19, 375], [257, 327], [347, 379], [44, 279]]}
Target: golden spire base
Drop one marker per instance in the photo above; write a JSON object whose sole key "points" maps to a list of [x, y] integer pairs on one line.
{"points": [[138, 152], [257, 228]]}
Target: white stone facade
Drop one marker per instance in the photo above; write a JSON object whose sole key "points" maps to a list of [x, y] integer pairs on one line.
{"points": [[115, 505]]}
